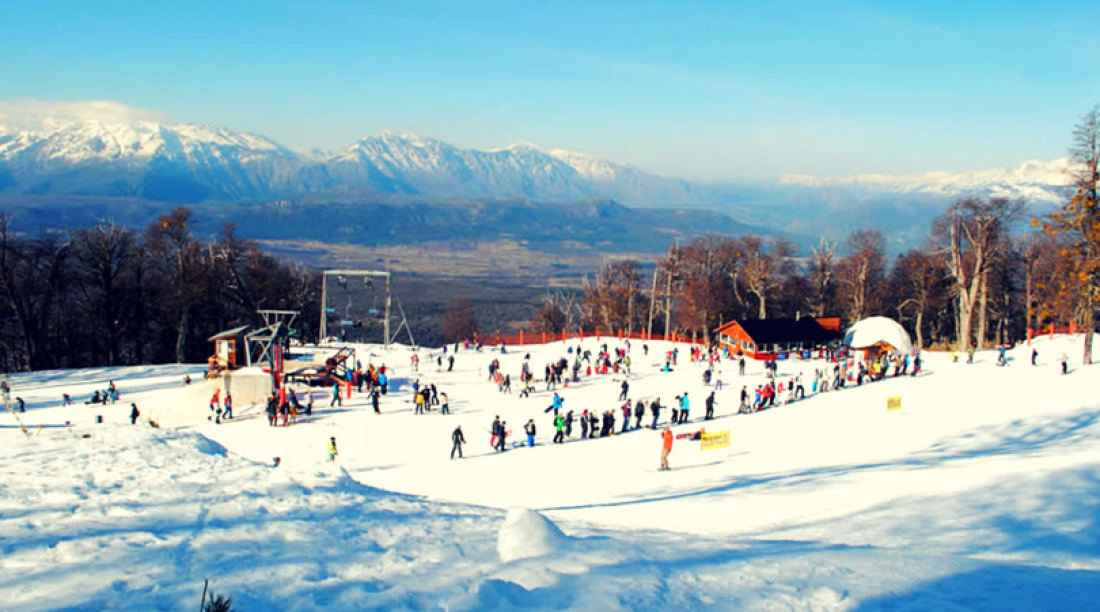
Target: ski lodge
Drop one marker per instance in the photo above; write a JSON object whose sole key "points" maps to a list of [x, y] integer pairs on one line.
{"points": [[778, 338]]}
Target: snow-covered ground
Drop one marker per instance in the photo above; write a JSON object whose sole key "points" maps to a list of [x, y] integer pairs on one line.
{"points": [[981, 493]]}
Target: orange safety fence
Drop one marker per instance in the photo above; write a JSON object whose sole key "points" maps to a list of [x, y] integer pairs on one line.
{"points": [[525, 338]]}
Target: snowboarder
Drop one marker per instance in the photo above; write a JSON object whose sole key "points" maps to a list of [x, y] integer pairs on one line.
{"points": [[332, 452], [710, 407], [458, 440], [666, 447]]}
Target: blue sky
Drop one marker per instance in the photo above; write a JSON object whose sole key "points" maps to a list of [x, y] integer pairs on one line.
{"points": [[710, 90]]}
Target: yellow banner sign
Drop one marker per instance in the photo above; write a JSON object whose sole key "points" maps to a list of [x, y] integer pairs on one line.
{"points": [[718, 439], [893, 403]]}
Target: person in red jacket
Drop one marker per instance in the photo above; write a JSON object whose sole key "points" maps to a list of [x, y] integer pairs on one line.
{"points": [[666, 447]]}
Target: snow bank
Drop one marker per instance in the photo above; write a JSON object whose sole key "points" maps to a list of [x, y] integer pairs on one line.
{"points": [[526, 533], [874, 330]]}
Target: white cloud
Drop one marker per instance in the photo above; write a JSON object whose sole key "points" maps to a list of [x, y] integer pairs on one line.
{"points": [[33, 113]]}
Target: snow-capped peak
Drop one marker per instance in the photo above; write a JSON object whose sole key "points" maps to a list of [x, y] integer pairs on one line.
{"points": [[1031, 180]]}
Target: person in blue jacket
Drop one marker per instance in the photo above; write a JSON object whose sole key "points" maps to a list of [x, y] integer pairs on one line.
{"points": [[685, 405]]}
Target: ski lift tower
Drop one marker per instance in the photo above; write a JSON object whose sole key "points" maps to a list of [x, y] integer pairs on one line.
{"points": [[342, 276]]}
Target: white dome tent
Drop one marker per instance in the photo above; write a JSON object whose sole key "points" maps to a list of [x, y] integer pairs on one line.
{"points": [[878, 334]]}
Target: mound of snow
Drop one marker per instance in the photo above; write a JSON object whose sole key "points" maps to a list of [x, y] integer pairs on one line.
{"points": [[875, 330], [527, 534]]}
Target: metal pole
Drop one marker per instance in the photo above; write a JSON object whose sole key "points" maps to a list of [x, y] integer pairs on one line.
{"points": [[387, 324], [324, 302], [668, 304], [652, 300]]}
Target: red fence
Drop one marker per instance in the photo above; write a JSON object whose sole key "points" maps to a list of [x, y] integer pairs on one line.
{"points": [[1051, 329], [524, 337]]}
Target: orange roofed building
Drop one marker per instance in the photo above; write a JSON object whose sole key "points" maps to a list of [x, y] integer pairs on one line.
{"points": [[770, 338]]}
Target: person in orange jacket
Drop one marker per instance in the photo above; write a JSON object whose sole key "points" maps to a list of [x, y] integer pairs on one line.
{"points": [[666, 447]]}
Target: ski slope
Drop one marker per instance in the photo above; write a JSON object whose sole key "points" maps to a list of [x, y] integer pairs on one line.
{"points": [[981, 493]]}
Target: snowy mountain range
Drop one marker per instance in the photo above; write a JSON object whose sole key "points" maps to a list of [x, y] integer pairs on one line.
{"points": [[1035, 181], [191, 163], [111, 153]]}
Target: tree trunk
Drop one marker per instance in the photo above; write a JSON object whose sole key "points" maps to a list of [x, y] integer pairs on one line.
{"points": [[920, 324], [181, 335], [1086, 359], [983, 309], [966, 309]]}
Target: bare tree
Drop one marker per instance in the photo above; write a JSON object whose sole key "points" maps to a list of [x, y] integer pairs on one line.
{"points": [[765, 265], [969, 233], [861, 273], [822, 266]]}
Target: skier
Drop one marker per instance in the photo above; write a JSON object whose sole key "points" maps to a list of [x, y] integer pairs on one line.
{"points": [[1034, 354], [625, 387], [272, 410], [655, 408], [309, 402], [502, 434], [458, 440], [626, 416], [741, 365], [639, 412], [494, 429], [1065, 361], [450, 363], [685, 406], [710, 407], [22, 405], [559, 426], [584, 425], [374, 399], [569, 424], [529, 429], [666, 447], [332, 452], [134, 414], [336, 399], [445, 406]]}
